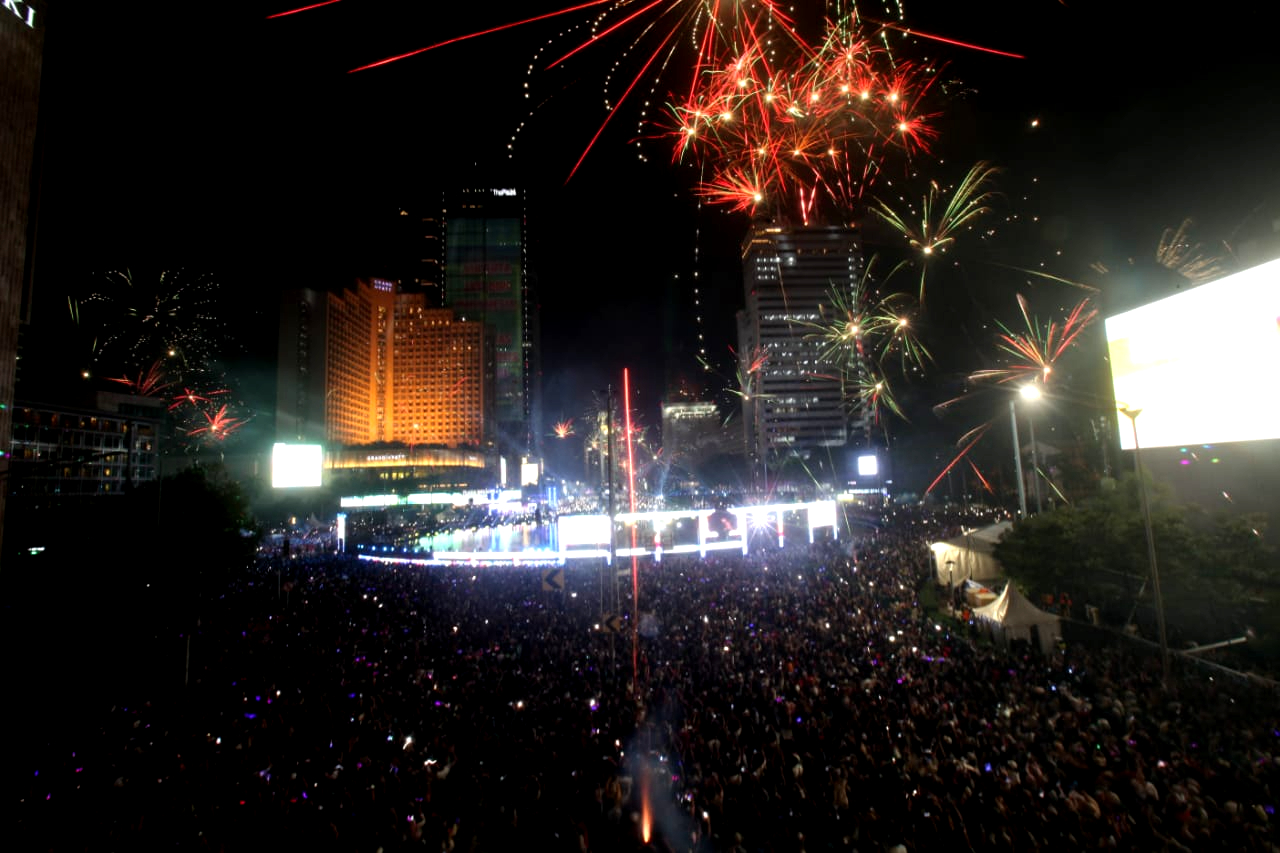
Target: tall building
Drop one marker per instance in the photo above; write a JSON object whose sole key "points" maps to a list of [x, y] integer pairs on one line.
{"points": [[795, 402], [693, 433], [372, 364], [486, 281], [21, 54], [66, 452]]}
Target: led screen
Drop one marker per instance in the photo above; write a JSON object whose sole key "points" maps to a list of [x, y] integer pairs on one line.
{"points": [[1201, 365], [577, 531], [868, 466], [296, 465]]}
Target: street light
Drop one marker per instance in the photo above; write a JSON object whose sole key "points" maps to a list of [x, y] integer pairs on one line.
{"points": [[1028, 392], [1132, 415]]}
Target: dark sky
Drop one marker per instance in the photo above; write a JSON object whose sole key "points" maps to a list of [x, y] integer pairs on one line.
{"points": [[204, 134]]}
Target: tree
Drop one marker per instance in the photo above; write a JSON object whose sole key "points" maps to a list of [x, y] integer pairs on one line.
{"points": [[1215, 573]]}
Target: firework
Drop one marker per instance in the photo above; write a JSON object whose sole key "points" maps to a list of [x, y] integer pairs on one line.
{"points": [[147, 383], [171, 317], [807, 132], [940, 221], [217, 426], [563, 429], [861, 332], [748, 372], [825, 105], [1176, 252], [1035, 351], [192, 398], [1032, 355], [306, 8], [863, 325], [646, 37]]}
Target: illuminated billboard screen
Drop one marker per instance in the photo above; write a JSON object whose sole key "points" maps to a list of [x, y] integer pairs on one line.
{"points": [[1200, 365], [296, 466], [583, 531]]}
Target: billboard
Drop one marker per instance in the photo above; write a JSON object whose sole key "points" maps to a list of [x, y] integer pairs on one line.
{"points": [[1201, 365], [296, 466]]}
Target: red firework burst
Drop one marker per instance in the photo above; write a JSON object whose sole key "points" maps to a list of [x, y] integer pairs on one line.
{"points": [[148, 383], [816, 126], [218, 426], [192, 398]]}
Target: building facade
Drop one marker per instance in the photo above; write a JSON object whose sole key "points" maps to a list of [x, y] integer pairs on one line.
{"points": [[486, 281], [793, 402], [21, 55], [695, 429], [371, 365], [62, 452]]}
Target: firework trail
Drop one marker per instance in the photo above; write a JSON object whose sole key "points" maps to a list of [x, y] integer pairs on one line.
{"points": [[862, 331], [1175, 251], [748, 377], [192, 398], [172, 316], [217, 426], [939, 221], [1031, 356], [152, 333], [1035, 351], [805, 134], [148, 383], [814, 112], [643, 34]]}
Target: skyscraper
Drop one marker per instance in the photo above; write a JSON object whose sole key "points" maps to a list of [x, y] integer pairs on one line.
{"points": [[21, 54], [486, 281], [794, 402], [372, 364]]}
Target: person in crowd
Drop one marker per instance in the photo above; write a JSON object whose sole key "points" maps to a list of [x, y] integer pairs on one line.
{"points": [[799, 699]]}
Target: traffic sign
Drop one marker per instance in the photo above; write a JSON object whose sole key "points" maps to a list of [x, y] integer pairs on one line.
{"points": [[612, 623], [553, 580]]}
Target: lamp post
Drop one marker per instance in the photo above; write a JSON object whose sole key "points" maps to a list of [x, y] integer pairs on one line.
{"points": [[1132, 415], [1032, 392], [951, 582], [1017, 461], [1028, 392]]}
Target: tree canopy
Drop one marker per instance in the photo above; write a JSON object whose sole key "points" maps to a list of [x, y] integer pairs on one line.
{"points": [[1216, 573]]}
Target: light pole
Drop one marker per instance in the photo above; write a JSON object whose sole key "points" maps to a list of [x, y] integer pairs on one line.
{"points": [[1032, 392], [1028, 392], [951, 582], [1017, 461], [1132, 415]]}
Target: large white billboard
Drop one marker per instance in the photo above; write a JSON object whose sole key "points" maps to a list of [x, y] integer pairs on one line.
{"points": [[296, 465], [1203, 366]]}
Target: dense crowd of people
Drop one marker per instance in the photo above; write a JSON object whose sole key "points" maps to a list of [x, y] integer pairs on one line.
{"points": [[804, 699]]}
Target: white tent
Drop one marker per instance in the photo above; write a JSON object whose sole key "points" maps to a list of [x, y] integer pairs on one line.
{"points": [[1012, 617], [968, 556]]}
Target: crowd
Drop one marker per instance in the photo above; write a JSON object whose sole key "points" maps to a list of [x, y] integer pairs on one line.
{"points": [[789, 700]]}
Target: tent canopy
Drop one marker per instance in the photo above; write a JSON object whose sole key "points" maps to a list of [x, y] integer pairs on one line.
{"points": [[969, 556], [1016, 618]]}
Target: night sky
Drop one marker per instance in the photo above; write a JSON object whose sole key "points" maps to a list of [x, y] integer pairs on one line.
{"points": [[206, 135]]}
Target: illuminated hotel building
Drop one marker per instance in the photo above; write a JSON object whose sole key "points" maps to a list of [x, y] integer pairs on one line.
{"points": [[796, 403], [21, 54], [486, 281], [373, 365]]}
